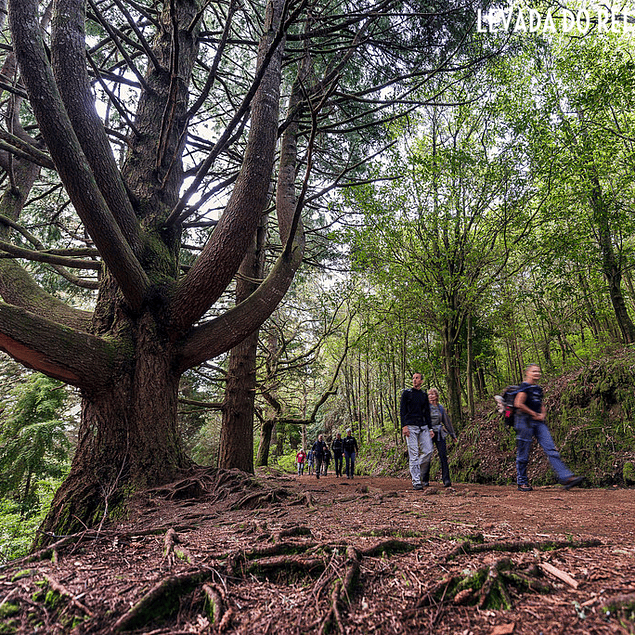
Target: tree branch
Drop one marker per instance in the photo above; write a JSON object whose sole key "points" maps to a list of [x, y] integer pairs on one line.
{"points": [[221, 257], [68, 46], [67, 154], [63, 353]]}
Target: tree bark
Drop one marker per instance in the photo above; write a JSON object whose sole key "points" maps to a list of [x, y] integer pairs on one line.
{"points": [[237, 431]]}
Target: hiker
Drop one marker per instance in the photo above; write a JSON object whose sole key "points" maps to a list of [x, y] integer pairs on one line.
{"points": [[309, 462], [415, 422], [529, 422], [327, 459], [349, 445], [338, 454], [319, 448], [299, 459], [441, 425]]}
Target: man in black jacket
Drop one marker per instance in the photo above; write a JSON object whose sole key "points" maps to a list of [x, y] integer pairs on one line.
{"points": [[350, 452], [319, 448], [338, 453], [415, 422]]}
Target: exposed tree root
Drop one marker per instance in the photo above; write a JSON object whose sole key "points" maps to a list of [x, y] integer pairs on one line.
{"points": [[305, 499], [342, 592], [161, 600], [261, 499], [294, 531], [64, 592], [215, 607], [467, 546], [388, 547], [172, 549], [486, 587]]}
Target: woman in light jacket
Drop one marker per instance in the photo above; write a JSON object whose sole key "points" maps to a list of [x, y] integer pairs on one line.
{"points": [[441, 426]]}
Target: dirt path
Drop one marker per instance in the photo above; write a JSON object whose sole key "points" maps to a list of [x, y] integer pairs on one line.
{"points": [[603, 513], [287, 554]]}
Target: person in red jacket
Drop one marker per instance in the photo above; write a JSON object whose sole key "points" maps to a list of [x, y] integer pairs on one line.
{"points": [[299, 459]]}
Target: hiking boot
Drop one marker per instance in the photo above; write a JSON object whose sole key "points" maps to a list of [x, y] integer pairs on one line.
{"points": [[525, 488], [572, 481], [417, 486], [447, 484], [425, 484]]}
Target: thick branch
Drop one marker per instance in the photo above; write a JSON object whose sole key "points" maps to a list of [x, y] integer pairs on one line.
{"points": [[67, 154], [224, 332], [221, 257], [17, 287], [67, 354], [67, 50], [53, 259]]}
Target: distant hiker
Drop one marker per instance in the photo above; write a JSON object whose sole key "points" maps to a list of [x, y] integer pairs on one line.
{"points": [[338, 453], [319, 448], [310, 460], [349, 445], [299, 459], [441, 425], [327, 459], [529, 422], [415, 422]]}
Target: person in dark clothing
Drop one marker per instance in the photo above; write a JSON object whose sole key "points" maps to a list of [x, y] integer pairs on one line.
{"points": [[338, 453], [441, 425], [416, 427], [326, 460], [529, 421], [319, 448], [349, 445]]}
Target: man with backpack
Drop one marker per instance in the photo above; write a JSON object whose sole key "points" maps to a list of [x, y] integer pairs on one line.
{"points": [[416, 427], [529, 422]]}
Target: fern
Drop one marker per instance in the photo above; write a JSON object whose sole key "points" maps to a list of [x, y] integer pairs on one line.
{"points": [[33, 439]]}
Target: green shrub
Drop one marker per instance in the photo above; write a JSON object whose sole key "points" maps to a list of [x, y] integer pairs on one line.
{"points": [[17, 529]]}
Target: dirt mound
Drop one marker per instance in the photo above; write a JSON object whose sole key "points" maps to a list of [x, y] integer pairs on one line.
{"points": [[287, 554]]}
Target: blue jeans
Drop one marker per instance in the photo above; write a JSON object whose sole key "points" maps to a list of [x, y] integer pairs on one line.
{"points": [[527, 428], [339, 459], [350, 463], [419, 452]]}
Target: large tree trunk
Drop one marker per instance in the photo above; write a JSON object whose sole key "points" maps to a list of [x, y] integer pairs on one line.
{"points": [[128, 439], [237, 431]]}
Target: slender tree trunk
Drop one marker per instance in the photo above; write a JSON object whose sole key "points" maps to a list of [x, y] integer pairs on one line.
{"points": [[262, 458], [470, 366], [237, 432], [452, 372]]}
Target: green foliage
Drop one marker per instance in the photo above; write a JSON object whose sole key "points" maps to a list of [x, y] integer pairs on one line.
{"points": [[286, 462], [33, 440], [382, 456], [18, 529]]}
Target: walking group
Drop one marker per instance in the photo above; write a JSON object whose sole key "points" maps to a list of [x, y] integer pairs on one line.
{"points": [[317, 460], [425, 421], [426, 424]]}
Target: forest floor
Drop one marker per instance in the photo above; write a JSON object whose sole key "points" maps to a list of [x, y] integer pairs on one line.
{"points": [[224, 552]]}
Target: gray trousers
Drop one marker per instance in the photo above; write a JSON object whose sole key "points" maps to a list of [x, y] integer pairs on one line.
{"points": [[419, 451]]}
